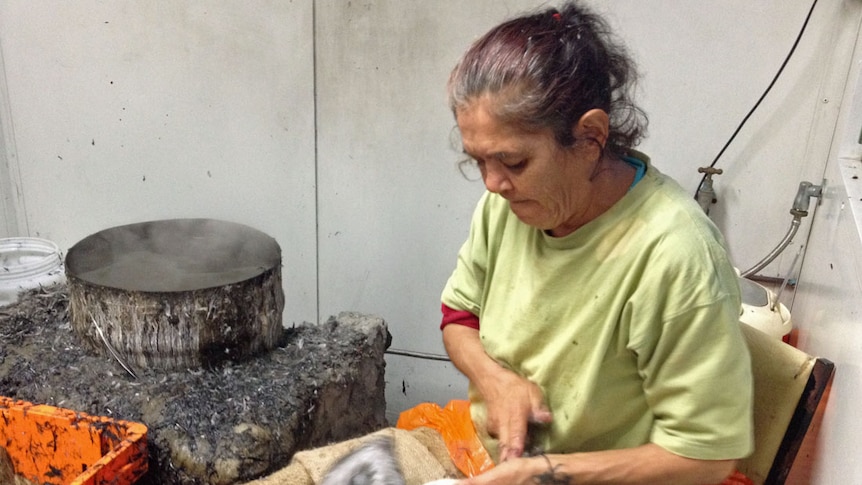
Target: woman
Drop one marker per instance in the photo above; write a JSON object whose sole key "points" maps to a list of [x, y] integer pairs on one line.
{"points": [[593, 307]]}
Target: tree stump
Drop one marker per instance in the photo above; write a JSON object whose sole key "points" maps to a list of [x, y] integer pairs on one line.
{"points": [[179, 293]]}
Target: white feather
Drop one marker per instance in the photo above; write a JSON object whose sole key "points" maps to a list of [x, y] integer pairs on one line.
{"points": [[373, 463]]}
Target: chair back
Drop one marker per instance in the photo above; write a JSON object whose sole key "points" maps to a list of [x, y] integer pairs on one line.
{"points": [[788, 386]]}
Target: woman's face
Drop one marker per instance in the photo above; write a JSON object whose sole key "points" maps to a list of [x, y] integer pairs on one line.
{"points": [[547, 185]]}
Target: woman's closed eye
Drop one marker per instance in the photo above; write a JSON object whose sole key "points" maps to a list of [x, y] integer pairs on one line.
{"points": [[514, 166], [517, 166]]}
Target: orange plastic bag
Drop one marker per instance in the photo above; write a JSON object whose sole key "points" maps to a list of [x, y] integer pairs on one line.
{"points": [[454, 424]]}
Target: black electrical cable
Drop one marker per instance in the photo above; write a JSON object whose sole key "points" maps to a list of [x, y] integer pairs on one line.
{"points": [[417, 355], [769, 88]]}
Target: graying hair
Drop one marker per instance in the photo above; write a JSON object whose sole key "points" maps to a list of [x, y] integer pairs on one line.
{"points": [[545, 70]]}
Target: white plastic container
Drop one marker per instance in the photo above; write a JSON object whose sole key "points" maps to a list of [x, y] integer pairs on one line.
{"points": [[761, 310], [27, 263]]}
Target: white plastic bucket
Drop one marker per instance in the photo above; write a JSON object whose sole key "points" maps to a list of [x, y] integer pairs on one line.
{"points": [[27, 263], [761, 310]]}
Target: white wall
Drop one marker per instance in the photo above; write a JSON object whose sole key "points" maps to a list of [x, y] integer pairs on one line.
{"points": [[828, 304], [827, 315], [8, 210], [324, 124]]}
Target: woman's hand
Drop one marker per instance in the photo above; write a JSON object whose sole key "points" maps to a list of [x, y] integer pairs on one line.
{"points": [[511, 400]]}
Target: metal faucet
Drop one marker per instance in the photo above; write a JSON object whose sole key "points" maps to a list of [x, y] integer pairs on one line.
{"points": [[806, 191], [706, 192]]}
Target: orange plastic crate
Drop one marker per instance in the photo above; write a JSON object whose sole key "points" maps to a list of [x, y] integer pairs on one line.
{"points": [[55, 446]]}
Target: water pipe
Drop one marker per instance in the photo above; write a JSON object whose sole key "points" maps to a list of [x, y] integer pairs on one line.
{"points": [[798, 211]]}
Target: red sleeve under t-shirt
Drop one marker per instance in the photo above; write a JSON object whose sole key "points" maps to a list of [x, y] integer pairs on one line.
{"points": [[458, 317]]}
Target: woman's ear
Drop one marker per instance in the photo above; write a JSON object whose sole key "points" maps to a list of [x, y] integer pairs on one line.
{"points": [[593, 125]]}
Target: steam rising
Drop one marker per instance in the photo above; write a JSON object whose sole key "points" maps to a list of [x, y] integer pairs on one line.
{"points": [[173, 255]]}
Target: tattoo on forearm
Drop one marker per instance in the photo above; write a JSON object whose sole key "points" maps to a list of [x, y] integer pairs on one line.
{"points": [[551, 477]]}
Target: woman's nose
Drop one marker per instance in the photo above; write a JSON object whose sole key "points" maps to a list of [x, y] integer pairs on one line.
{"points": [[495, 178]]}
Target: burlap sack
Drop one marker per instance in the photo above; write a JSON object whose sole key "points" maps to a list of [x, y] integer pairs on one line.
{"points": [[421, 454]]}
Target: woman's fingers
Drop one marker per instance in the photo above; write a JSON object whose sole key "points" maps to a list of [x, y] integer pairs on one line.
{"points": [[511, 414]]}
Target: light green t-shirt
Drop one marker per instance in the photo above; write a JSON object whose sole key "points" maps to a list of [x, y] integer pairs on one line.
{"points": [[630, 325]]}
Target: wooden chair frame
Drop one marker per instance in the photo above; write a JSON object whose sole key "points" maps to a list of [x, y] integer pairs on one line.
{"points": [[818, 380], [788, 387]]}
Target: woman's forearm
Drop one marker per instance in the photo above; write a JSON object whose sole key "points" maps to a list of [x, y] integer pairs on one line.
{"points": [[467, 354], [512, 401], [648, 463]]}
